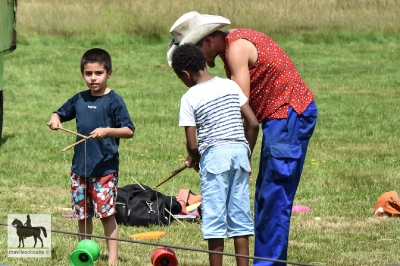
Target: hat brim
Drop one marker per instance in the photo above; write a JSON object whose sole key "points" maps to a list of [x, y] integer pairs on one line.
{"points": [[196, 35]]}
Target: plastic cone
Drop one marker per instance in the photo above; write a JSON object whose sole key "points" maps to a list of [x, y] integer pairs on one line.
{"points": [[87, 251], [164, 256]]}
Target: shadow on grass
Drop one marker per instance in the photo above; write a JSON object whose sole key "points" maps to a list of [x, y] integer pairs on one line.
{"points": [[104, 258], [4, 138]]}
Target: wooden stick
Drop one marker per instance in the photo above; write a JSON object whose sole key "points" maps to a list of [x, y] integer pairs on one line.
{"points": [[164, 208], [138, 183], [72, 132], [174, 173], [76, 143], [180, 169], [174, 217]]}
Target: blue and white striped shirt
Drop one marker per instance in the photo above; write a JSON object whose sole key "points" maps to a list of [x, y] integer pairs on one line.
{"points": [[214, 108]]}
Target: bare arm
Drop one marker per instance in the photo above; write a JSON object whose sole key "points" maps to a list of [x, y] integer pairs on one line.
{"points": [[191, 143], [101, 133], [251, 125], [241, 54]]}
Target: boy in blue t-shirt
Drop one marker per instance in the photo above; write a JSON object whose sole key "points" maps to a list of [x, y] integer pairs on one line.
{"points": [[101, 114], [214, 107]]}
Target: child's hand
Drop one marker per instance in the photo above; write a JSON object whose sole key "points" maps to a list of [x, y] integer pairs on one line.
{"points": [[190, 163], [54, 122], [196, 167], [100, 133]]}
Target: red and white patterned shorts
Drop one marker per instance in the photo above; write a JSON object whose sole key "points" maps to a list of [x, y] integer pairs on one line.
{"points": [[100, 193]]}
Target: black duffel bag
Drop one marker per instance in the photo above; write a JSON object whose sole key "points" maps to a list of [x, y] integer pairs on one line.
{"points": [[138, 207]]}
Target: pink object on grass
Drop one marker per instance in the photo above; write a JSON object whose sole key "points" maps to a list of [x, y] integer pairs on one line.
{"points": [[68, 215], [300, 209]]}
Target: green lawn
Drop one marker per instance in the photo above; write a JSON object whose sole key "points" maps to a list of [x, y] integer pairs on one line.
{"points": [[353, 156]]}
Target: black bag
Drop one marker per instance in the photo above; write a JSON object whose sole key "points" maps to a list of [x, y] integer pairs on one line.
{"points": [[138, 207]]}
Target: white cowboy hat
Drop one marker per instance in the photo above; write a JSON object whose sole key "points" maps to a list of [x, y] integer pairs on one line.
{"points": [[192, 27]]}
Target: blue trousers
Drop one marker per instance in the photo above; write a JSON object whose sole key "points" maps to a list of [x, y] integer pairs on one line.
{"points": [[284, 148]]}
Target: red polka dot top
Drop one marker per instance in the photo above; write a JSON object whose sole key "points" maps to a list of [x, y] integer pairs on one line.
{"points": [[275, 83]]}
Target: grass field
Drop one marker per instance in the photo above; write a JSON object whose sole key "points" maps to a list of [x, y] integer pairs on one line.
{"points": [[353, 157], [154, 18]]}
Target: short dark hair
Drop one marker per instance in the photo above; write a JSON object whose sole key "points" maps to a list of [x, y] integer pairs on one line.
{"points": [[188, 57], [96, 55]]}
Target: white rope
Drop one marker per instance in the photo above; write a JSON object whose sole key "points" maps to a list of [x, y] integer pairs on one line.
{"points": [[170, 208], [79, 184], [158, 210], [170, 204], [68, 169], [86, 188], [169, 215]]}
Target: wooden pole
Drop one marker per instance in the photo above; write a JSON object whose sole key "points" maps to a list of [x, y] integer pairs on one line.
{"points": [[174, 173], [73, 132], [76, 143]]}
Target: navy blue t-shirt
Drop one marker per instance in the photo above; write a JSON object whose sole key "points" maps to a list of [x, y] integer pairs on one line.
{"points": [[91, 112]]}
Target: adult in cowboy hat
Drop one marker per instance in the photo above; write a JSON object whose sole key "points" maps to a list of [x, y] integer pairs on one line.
{"points": [[283, 105]]}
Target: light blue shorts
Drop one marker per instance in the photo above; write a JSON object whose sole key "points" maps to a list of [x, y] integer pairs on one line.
{"points": [[224, 185]]}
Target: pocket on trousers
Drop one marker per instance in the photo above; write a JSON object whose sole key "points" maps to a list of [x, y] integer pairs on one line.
{"points": [[244, 163], [216, 164], [307, 122], [284, 160]]}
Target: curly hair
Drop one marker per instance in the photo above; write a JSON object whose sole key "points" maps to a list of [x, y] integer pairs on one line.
{"points": [[96, 55], [188, 57]]}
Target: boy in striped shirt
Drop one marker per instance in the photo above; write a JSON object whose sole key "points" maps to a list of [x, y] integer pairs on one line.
{"points": [[214, 107]]}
